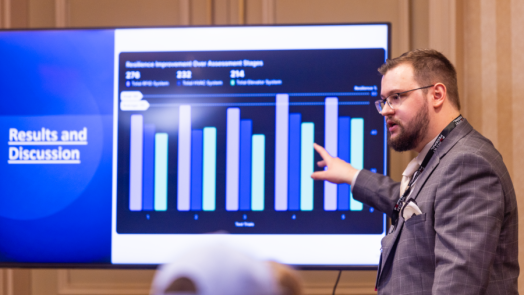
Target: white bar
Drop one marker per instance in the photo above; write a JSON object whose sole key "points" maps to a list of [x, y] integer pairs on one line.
{"points": [[232, 158], [331, 145], [299, 249], [281, 151], [135, 162], [47, 142], [43, 162], [253, 38], [184, 158]]}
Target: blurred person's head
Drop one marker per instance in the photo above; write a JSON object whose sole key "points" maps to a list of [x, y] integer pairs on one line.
{"points": [[220, 270]]}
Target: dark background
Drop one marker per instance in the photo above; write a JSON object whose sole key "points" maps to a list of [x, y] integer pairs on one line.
{"points": [[302, 71]]}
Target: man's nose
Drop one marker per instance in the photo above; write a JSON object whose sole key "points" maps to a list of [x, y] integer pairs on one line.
{"points": [[387, 110]]}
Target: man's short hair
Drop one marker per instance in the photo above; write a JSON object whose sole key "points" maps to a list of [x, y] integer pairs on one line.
{"points": [[430, 67]]}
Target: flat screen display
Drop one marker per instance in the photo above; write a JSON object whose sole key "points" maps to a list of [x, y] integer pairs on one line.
{"points": [[127, 146]]}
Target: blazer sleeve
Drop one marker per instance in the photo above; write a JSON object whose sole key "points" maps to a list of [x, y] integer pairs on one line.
{"points": [[469, 211], [377, 191]]}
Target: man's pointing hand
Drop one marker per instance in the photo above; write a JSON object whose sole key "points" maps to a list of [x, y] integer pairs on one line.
{"points": [[338, 171]]}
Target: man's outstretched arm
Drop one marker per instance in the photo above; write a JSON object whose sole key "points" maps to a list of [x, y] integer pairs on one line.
{"points": [[375, 190]]}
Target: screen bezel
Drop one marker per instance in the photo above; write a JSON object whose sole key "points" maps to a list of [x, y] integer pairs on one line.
{"points": [[109, 265]]}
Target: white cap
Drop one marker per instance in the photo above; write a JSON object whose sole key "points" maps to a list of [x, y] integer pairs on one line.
{"points": [[217, 270]]}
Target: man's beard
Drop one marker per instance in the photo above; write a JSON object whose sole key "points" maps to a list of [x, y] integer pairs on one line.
{"points": [[410, 136]]}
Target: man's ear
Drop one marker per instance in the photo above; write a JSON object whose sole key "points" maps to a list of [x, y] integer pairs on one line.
{"points": [[440, 94]]}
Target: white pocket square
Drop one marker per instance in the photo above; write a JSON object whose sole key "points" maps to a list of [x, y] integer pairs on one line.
{"points": [[410, 209]]}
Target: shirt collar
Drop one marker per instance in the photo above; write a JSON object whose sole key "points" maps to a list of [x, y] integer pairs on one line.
{"points": [[417, 161]]}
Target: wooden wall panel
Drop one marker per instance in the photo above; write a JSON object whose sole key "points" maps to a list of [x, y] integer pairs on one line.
{"points": [[199, 12], [517, 108], [442, 27], [419, 15], [493, 79], [488, 58], [3, 282], [104, 281], [504, 121], [19, 13], [119, 13], [15, 282], [472, 53], [42, 14], [253, 12], [221, 12]]}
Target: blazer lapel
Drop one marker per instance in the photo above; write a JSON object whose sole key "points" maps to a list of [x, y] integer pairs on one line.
{"points": [[421, 181], [458, 133]]}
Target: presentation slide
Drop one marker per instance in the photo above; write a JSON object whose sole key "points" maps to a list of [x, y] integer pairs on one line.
{"points": [[219, 139]]}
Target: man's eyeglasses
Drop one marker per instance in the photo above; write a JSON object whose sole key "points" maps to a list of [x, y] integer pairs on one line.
{"points": [[394, 99]]}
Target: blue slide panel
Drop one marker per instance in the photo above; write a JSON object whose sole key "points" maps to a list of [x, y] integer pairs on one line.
{"points": [[71, 74], [343, 153], [294, 162], [149, 168], [197, 149]]}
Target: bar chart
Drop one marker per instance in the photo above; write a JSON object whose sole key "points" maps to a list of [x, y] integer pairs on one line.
{"points": [[294, 157], [245, 162], [241, 157], [148, 167], [196, 175], [344, 138], [199, 157], [245, 171]]}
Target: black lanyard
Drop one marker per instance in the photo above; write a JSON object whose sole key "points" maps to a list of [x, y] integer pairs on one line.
{"points": [[440, 138]]}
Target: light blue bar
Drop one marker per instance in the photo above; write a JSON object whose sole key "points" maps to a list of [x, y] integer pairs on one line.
{"points": [[357, 155], [161, 171], [135, 162], [258, 171], [307, 158], [232, 158], [209, 170]]}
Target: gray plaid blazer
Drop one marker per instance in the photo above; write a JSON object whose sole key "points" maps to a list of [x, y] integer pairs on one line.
{"points": [[466, 239]]}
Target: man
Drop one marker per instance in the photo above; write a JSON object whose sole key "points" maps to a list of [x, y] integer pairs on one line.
{"points": [[455, 230]]}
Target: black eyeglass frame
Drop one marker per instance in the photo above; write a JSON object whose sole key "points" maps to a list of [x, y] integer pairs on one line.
{"points": [[378, 103]]}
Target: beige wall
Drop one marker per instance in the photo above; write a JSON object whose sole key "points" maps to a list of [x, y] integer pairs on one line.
{"points": [[482, 37], [492, 62]]}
